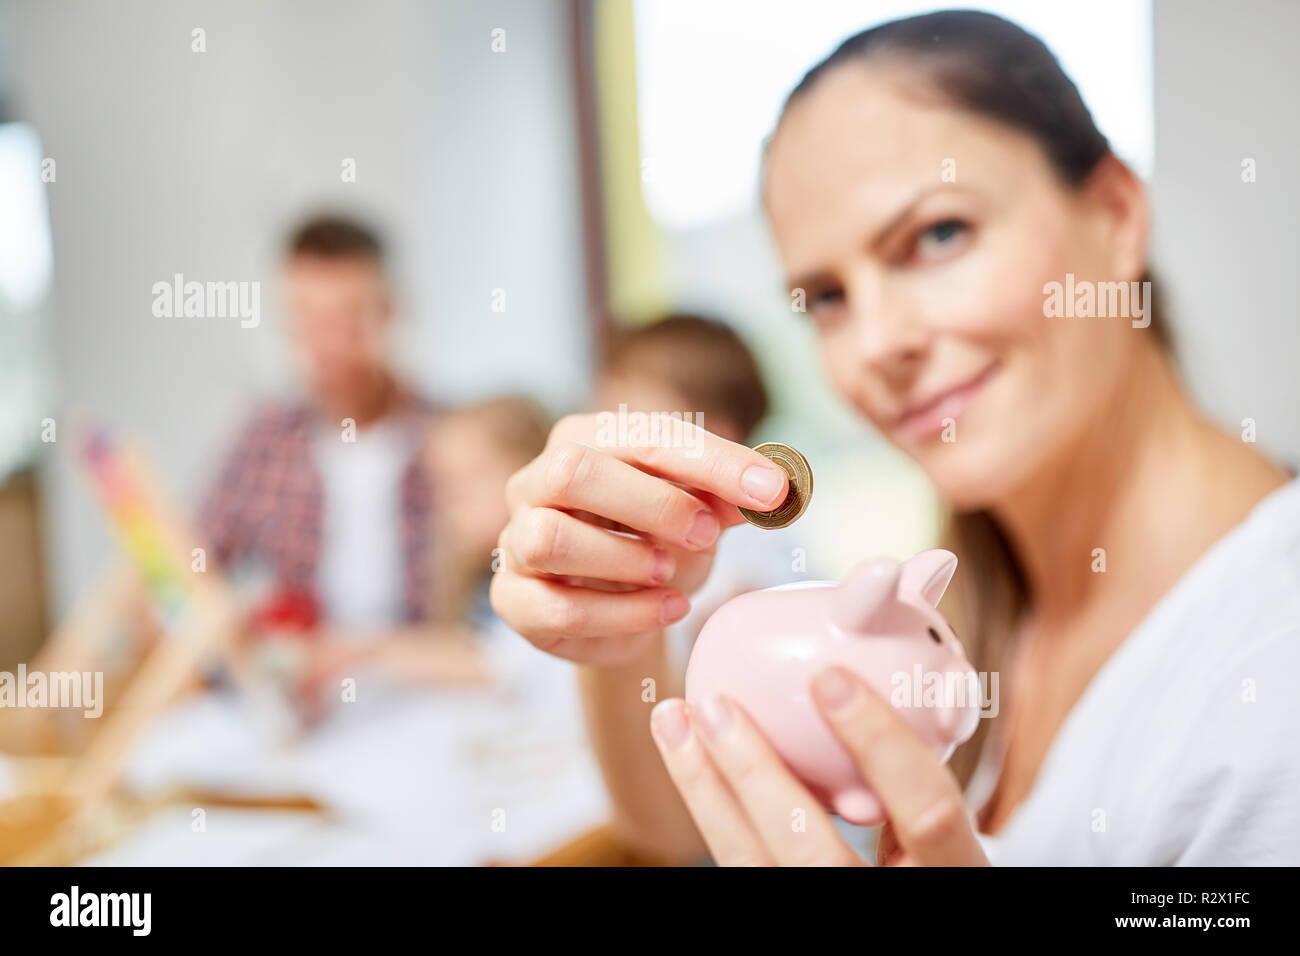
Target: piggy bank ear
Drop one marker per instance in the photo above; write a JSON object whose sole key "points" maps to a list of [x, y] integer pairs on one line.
{"points": [[928, 574], [867, 591]]}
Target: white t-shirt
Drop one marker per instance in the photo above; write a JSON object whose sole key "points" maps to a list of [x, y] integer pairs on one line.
{"points": [[360, 577], [1185, 747]]}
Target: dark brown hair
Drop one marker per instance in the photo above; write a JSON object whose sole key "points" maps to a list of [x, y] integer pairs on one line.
{"points": [[331, 236], [516, 425], [991, 67], [702, 360]]}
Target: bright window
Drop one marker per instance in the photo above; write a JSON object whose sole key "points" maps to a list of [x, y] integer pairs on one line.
{"points": [[26, 264], [712, 74]]}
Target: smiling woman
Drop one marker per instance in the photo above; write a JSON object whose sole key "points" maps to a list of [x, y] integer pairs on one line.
{"points": [[923, 185], [931, 318]]}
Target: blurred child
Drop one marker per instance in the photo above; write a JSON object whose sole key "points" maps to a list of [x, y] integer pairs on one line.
{"points": [[685, 364], [470, 453], [700, 367]]}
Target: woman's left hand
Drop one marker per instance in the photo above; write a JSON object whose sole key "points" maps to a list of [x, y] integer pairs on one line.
{"points": [[744, 799]]}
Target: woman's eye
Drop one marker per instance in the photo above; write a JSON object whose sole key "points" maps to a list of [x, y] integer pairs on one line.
{"points": [[941, 240], [823, 301]]}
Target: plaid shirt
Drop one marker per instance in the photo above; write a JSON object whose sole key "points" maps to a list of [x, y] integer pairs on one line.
{"points": [[268, 503]]}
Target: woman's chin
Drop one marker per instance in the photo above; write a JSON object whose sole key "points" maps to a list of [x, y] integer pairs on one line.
{"points": [[967, 477]]}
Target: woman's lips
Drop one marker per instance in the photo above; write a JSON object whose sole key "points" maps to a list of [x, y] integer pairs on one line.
{"points": [[926, 417]]}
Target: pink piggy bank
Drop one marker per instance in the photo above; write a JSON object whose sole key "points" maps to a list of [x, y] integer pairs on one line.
{"points": [[764, 648]]}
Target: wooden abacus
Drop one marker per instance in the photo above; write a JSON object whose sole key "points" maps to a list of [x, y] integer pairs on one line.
{"points": [[64, 772]]}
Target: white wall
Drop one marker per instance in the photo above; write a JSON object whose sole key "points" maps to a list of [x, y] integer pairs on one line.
{"points": [[173, 161], [1227, 85]]}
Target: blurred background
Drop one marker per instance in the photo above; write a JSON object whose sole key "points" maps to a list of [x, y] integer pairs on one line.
{"points": [[544, 174]]}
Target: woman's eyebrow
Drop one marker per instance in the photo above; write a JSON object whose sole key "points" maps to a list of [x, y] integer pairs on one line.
{"points": [[822, 277], [813, 280], [901, 216]]}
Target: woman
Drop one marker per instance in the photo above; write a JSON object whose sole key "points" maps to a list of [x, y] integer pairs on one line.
{"points": [[1131, 570]]}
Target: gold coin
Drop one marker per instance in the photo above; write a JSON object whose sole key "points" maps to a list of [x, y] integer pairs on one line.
{"points": [[796, 500]]}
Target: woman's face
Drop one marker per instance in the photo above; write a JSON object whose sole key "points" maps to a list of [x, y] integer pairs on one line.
{"points": [[922, 236]]}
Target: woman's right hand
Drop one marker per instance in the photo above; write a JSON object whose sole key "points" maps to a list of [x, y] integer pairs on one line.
{"points": [[606, 541]]}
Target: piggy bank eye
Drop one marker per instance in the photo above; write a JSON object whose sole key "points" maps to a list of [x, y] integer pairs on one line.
{"points": [[935, 635]]}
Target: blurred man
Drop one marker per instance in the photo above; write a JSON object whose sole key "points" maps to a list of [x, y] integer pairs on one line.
{"points": [[326, 491], [470, 452]]}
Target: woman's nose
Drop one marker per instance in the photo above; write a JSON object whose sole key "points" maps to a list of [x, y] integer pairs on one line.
{"points": [[889, 335]]}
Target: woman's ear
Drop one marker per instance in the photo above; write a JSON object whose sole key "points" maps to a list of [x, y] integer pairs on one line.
{"points": [[1121, 199]]}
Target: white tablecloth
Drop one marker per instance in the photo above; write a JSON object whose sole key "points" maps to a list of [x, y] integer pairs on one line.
{"points": [[412, 777]]}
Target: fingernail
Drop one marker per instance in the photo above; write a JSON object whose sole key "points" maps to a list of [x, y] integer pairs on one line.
{"points": [[664, 566], [670, 725], [674, 608], [704, 530], [763, 484], [715, 716], [834, 689]]}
